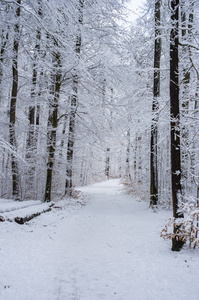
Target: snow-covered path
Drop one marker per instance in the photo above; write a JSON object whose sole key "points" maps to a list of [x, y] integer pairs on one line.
{"points": [[108, 249]]}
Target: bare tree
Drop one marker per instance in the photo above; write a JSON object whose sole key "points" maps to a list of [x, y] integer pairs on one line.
{"points": [[13, 103], [53, 123], [155, 107], [73, 108], [33, 116], [175, 120]]}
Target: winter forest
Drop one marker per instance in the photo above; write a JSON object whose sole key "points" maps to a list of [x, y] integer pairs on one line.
{"points": [[88, 95]]}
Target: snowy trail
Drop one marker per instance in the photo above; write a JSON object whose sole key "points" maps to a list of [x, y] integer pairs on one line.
{"points": [[108, 249]]}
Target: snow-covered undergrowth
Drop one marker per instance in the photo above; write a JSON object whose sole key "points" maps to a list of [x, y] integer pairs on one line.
{"points": [[108, 249], [188, 225]]}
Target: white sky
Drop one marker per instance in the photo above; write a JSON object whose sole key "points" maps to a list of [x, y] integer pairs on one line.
{"points": [[134, 7]]}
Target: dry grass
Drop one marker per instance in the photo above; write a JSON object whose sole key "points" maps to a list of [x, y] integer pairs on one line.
{"points": [[137, 190]]}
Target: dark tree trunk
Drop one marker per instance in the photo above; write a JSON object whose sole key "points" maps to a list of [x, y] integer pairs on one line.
{"points": [[135, 158], [107, 168], [63, 136], [128, 171], [155, 107], [53, 122], [71, 133], [71, 141], [14, 161], [175, 120]]}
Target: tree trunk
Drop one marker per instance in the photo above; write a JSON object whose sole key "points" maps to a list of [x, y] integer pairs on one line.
{"points": [[53, 122], [135, 158], [71, 135], [107, 169], [155, 107], [4, 40], [63, 137], [14, 162], [175, 120], [34, 108], [128, 171], [71, 140], [186, 51]]}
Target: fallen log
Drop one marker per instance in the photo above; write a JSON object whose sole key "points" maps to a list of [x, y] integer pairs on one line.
{"points": [[2, 219], [22, 220]]}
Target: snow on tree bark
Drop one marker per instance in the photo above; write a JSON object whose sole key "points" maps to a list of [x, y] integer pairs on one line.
{"points": [[73, 108], [53, 122], [13, 103], [175, 120], [155, 108]]}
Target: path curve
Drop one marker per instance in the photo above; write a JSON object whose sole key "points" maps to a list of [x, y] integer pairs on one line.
{"points": [[109, 249]]}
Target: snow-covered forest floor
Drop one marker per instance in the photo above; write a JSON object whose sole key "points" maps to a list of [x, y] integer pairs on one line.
{"points": [[105, 245]]}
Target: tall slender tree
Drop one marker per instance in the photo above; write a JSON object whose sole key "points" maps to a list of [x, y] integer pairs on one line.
{"points": [[13, 103], [175, 121], [155, 107], [4, 40], [33, 116], [128, 169], [73, 108], [186, 54], [53, 123]]}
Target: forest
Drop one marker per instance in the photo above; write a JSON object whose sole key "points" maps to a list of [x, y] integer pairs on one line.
{"points": [[99, 149], [86, 96]]}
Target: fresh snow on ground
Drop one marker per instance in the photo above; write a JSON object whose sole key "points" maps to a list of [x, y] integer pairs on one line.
{"points": [[22, 210], [106, 246], [7, 205]]}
